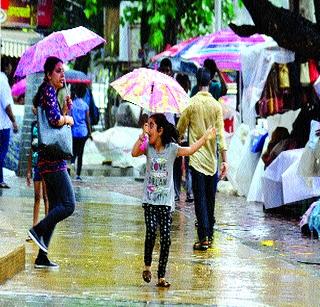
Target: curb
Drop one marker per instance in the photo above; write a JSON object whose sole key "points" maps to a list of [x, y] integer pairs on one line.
{"points": [[12, 259]]}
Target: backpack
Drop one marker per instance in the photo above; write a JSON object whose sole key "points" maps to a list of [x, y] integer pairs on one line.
{"points": [[94, 113], [93, 109]]}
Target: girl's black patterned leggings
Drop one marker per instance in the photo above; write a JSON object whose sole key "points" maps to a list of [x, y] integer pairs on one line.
{"points": [[154, 216]]}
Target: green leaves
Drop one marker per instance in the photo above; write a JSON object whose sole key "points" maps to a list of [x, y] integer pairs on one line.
{"points": [[157, 19], [91, 8], [131, 15], [197, 18], [193, 18], [157, 38], [160, 11], [228, 10]]}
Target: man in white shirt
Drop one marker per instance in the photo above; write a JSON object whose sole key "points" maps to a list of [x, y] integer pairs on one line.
{"points": [[7, 119]]}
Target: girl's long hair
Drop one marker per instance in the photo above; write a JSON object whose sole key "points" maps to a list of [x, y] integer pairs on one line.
{"points": [[170, 133], [48, 67]]}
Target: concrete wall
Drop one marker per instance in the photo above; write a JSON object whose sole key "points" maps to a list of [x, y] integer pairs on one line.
{"points": [[33, 82]]}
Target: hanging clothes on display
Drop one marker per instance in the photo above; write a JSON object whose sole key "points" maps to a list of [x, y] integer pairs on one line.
{"points": [[256, 63]]}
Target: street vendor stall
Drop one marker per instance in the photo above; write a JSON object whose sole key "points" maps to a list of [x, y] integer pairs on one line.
{"points": [[256, 63], [278, 88], [282, 84]]}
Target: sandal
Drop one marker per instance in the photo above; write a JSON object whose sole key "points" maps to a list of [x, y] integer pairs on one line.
{"points": [[3, 185], [201, 246], [163, 284], [146, 275]]}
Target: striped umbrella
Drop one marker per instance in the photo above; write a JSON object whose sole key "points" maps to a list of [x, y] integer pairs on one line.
{"points": [[224, 47], [175, 50], [76, 76]]}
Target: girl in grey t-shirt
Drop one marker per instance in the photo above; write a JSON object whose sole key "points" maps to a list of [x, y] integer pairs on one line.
{"points": [[158, 198]]}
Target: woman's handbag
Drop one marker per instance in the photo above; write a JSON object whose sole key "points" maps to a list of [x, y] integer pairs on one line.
{"points": [[54, 142]]}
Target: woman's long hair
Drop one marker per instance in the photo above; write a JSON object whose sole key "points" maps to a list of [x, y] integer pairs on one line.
{"points": [[170, 133], [48, 67]]}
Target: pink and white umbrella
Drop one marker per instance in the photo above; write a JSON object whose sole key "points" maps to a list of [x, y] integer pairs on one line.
{"points": [[152, 90], [65, 44]]}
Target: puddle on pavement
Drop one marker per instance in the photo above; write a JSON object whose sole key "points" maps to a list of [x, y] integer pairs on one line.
{"points": [[100, 253]]}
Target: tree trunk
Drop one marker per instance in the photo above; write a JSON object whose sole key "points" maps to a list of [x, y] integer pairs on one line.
{"points": [[82, 63], [296, 6], [172, 26], [171, 29], [145, 27]]}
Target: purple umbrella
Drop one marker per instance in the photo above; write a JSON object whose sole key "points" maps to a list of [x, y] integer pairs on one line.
{"points": [[66, 45]]}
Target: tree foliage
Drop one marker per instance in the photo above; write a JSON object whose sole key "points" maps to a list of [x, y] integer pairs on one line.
{"points": [[88, 13], [169, 20]]}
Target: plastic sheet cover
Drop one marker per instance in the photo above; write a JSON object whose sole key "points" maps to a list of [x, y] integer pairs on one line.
{"points": [[256, 63]]}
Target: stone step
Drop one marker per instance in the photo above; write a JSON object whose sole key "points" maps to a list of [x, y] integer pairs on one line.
{"points": [[12, 258], [12, 251], [106, 171]]}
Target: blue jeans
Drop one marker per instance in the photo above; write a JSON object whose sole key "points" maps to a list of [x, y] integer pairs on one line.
{"points": [[61, 203], [204, 193], [188, 177], [4, 146]]}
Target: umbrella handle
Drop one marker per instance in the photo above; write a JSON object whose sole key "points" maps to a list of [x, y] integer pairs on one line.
{"points": [[66, 87]]}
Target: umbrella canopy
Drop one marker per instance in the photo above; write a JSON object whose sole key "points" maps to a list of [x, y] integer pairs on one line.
{"points": [[76, 76], [152, 90], [288, 29], [66, 45], [19, 88], [224, 47], [176, 49]]}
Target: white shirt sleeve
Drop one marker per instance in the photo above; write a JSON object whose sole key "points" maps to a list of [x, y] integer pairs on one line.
{"points": [[5, 91]]}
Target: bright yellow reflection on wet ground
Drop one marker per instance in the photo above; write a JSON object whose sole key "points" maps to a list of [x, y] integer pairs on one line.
{"points": [[100, 253]]}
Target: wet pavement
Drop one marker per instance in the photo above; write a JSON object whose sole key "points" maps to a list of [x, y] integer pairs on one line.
{"points": [[256, 260]]}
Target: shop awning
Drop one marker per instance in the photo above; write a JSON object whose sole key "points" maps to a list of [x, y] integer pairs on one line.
{"points": [[15, 42]]}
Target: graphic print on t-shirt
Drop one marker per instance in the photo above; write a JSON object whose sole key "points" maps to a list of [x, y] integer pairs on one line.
{"points": [[157, 182]]}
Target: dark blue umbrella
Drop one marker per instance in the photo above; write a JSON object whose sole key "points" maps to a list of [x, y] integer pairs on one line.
{"points": [[76, 76]]}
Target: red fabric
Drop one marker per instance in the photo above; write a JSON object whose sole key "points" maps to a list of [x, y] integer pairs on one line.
{"points": [[4, 4], [228, 125], [313, 71]]}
